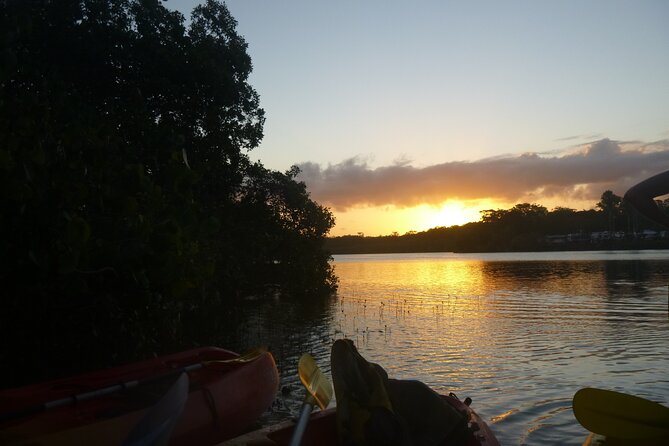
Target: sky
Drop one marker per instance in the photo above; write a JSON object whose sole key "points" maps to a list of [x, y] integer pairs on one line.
{"points": [[411, 115]]}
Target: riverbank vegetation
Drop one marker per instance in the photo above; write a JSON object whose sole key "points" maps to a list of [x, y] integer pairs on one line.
{"points": [[525, 227], [133, 219]]}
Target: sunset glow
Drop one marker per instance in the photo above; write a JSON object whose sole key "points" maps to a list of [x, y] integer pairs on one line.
{"points": [[453, 213], [385, 220], [407, 132]]}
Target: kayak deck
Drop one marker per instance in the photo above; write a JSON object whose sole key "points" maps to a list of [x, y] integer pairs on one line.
{"points": [[322, 430]]}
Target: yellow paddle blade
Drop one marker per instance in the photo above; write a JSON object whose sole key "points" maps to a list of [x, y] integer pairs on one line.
{"points": [[249, 356], [316, 383], [618, 415]]}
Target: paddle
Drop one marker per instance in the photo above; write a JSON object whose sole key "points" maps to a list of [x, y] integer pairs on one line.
{"points": [[319, 391], [618, 415], [155, 427], [249, 356]]}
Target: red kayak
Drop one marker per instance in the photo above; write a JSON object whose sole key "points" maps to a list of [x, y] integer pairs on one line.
{"points": [[224, 400], [322, 430]]}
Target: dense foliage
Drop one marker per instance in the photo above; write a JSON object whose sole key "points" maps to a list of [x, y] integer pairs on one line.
{"points": [[525, 227], [132, 216]]}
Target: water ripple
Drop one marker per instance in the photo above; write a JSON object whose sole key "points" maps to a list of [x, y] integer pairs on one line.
{"points": [[519, 337]]}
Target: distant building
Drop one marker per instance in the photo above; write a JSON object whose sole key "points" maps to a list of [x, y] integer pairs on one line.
{"points": [[578, 237], [648, 234], [557, 239], [599, 236]]}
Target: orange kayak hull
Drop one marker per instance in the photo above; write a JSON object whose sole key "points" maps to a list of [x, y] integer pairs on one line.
{"points": [[224, 400]]}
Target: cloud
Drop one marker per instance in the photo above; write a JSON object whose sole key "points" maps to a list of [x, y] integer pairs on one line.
{"points": [[582, 173], [574, 137]]}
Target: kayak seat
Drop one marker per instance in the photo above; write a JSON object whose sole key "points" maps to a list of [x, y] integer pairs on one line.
{"points": [[375, 410]]}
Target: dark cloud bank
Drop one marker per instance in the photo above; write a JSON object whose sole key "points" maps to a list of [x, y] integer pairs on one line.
{"points": [[582, 173]]}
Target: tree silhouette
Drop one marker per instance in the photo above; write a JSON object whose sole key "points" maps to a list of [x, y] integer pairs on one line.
{"points": [[611, 205], [524, 227], [131, 211]]}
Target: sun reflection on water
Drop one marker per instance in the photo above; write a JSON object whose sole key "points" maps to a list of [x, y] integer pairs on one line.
{"points": [[518, 333], [518, 337]]}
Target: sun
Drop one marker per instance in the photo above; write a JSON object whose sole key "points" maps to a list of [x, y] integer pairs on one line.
{"points": [[387, 220], [453, 212]]}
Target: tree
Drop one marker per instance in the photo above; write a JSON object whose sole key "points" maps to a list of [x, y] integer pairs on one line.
{"points": [[285, 231], [125, 184], [493, 215], [611, 205]]}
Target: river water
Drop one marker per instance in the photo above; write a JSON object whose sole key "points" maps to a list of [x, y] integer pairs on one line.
{"points": [[519, 333]]}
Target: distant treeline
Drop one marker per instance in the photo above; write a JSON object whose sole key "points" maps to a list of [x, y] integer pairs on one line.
{"points": [[525, 227]]}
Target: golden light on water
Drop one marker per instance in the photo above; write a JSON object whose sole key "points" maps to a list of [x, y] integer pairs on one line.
{"points": [[453, 311], [446, 288], [443, 309]]}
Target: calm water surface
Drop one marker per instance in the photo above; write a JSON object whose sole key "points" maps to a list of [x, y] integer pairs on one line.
{"points": [[519, 333]]}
